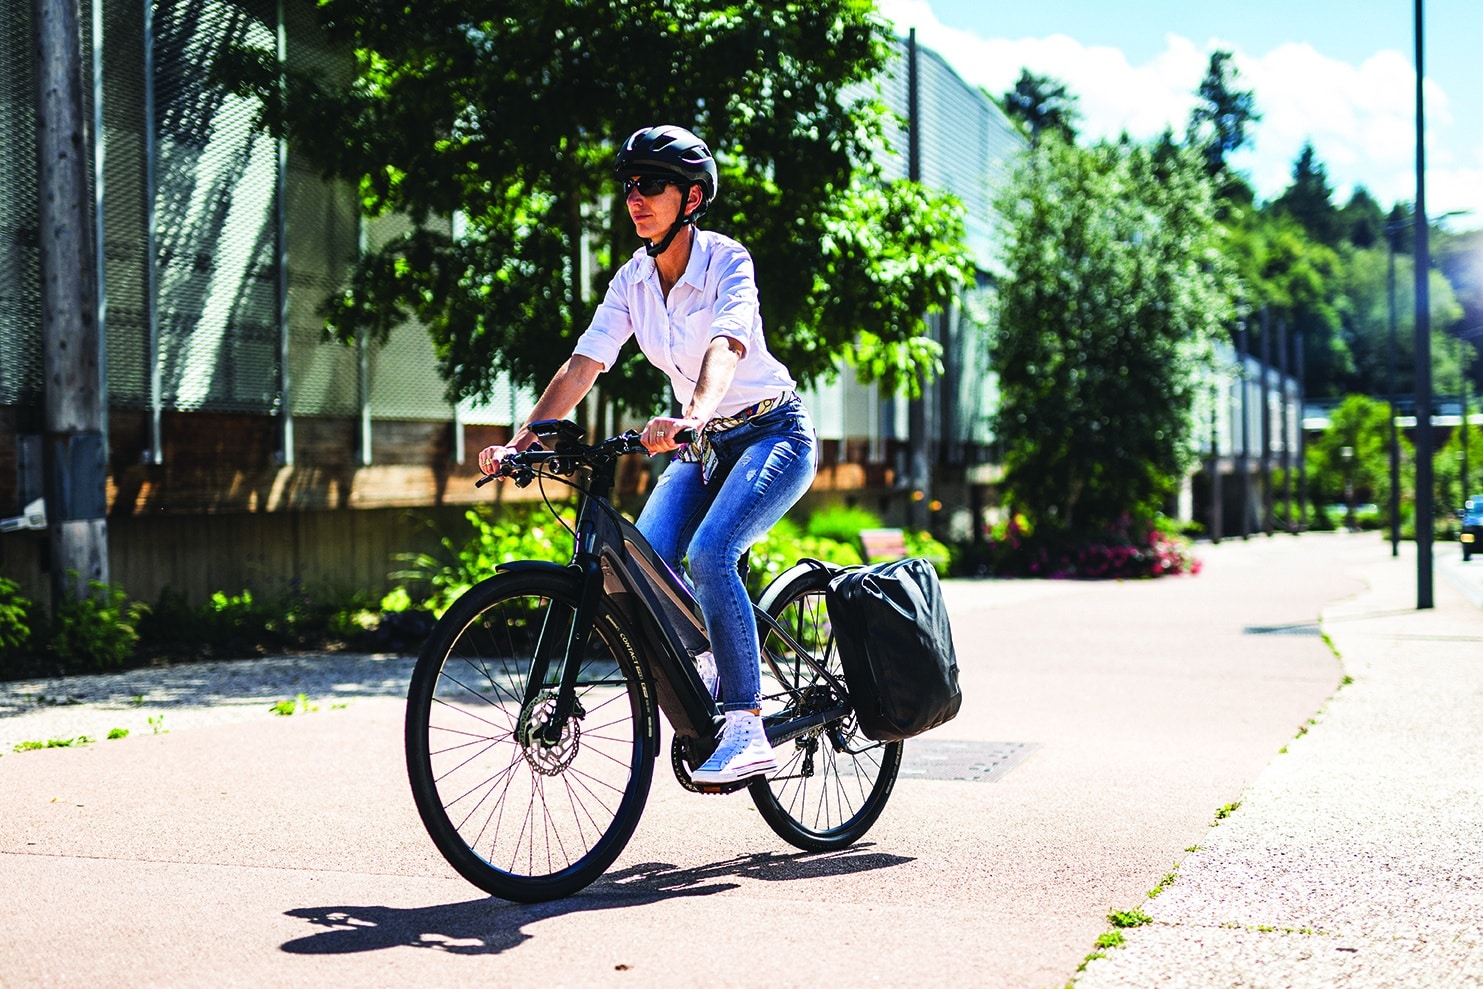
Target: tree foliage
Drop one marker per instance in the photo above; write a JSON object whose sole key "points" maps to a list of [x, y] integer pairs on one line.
{"points": [[1221, 115], [506, 115], [1351, 458], [1114, 292], [1365, 282], [1310, 199], [1041, 105]]}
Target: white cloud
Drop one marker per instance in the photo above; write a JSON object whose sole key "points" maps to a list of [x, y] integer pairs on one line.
{"points": [[1360, 118]]}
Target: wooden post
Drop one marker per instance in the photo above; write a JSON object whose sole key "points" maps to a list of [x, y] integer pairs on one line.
{"points": [[74, 455]]}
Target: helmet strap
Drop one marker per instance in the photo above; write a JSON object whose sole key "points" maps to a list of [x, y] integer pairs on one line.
{"points": [[653, 249]]}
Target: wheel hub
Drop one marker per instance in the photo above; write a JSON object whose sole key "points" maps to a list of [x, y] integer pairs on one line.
{"points": [[548, 758]]}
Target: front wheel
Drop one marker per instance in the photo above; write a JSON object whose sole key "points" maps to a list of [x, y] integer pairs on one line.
{"points": [[833, 782], [518, 814]]}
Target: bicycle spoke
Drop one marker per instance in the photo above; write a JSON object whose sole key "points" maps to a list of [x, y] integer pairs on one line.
{"points": [[529, 809], [822, 797]]}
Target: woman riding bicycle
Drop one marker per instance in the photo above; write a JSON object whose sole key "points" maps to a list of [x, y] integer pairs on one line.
{"points": [[690, 298]]}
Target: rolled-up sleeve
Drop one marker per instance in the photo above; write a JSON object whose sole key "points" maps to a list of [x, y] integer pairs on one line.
{"points": [[609, 330], [736, 314]]}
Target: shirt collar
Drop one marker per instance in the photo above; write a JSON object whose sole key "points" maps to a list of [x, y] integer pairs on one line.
{"points": [[695, 268]]}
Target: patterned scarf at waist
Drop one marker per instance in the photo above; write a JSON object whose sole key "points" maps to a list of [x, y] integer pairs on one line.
{"points": [[704, 453]]}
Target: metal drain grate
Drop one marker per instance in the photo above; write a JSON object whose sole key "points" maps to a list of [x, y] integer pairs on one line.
{"points": [[1298, 628], [971, 762]]}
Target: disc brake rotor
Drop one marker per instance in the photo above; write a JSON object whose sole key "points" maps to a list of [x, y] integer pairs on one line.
{"points": [[548, 758]]}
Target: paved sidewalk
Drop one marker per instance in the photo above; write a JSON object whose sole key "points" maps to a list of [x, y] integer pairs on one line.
{"points": [[1356, 858], [235, 848]]}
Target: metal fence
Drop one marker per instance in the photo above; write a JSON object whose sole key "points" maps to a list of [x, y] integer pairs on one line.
{"points": [[20, 279], [219, 245]]}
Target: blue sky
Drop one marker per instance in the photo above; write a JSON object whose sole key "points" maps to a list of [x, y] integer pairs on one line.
{"points": [[1339, 74]]}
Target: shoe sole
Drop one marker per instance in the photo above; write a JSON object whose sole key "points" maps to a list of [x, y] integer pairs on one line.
{"points": [[740, 773]]}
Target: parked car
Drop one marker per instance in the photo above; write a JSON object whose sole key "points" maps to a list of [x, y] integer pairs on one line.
{"points": [[1472, 526]]}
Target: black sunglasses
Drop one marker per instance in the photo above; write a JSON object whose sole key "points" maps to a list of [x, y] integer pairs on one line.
{"points": [[648, 186]]}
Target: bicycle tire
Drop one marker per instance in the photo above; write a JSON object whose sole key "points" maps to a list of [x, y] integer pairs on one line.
{"points": [[518, 818], [833, 783]]}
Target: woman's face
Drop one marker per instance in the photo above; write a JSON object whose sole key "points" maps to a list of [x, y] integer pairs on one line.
{"points": [[653, 215]]}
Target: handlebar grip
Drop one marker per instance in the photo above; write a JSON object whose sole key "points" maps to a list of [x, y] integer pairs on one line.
{"points": [[686, 435]]}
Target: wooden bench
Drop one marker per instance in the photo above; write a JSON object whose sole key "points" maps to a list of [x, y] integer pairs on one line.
{"points": [[883, 545]]}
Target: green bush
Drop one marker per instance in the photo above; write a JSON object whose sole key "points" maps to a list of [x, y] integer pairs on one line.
{"points": [[785, 545], [1129, 550], [923, 544], [501, 534], [95, 632], [251, 623], [841, 523], [16, 619]]}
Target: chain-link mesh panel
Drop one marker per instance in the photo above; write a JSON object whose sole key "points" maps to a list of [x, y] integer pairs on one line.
{"points": [[20, 277], [125, 273], [404, 378], [965, 142], [324, 377], [974, 387], [215, 221]]}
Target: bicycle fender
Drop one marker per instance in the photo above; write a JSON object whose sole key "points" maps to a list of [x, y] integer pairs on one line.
{"points": [[764, 600], [517, 566]]}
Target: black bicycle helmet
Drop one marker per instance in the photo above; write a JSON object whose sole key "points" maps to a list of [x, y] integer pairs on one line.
{"points": [[670, 151]]}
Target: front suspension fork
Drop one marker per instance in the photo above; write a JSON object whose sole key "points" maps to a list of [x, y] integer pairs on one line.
{"points": [[568, 641]]}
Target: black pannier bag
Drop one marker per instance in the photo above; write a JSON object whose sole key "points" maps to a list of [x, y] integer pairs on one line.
{"points": [[891, 626]]}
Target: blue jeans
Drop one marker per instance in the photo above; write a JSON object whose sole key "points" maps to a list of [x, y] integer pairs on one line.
{"points": [[766, 465]]}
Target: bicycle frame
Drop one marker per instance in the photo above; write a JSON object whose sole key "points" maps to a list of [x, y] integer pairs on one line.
{"points": [[613, 558]]}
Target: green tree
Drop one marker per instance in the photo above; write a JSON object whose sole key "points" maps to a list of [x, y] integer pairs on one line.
{"points": [[507, 115], [1041, 105], [1309, 200], [1297, 280], [1452, 489], [1362, 220], [1460, 258], [1352, 456], [1365, 282], [1221, 115], [1113, 290]]}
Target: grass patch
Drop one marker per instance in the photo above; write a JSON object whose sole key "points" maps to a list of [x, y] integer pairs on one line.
{"points": [[53, 743], [298, 705], [1166, 882], [1129, 918]]}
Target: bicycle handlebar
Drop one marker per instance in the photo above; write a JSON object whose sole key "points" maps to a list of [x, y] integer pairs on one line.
{"points": [[524, 466]]}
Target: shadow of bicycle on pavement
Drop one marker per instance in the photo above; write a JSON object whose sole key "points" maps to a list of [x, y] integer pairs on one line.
{"points": [[489, 926]]}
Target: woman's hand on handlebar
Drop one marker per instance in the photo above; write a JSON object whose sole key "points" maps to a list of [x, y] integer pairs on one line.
{"points": [[491, 457], [659, 436]]}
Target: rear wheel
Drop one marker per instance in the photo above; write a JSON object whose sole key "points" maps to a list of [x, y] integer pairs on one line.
{"points": [[517, 814], [833, 782]]}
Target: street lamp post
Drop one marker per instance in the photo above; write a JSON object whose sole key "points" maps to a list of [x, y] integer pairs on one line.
{"points": [[1392, 231], [1347, 453], [1423, 385], [1462, 372]]}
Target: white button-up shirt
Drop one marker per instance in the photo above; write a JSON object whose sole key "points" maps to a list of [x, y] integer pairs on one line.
{"points": [[716, 297]]}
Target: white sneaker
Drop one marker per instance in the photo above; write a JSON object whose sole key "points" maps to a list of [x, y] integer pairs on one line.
{"points": [[743, 751], [705, 665]]}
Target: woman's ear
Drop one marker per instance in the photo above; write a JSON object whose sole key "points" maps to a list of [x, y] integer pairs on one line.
{"points": [[693, 199]]}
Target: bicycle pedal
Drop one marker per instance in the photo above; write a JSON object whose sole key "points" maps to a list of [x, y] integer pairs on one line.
{"points": [[680, 751]]}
